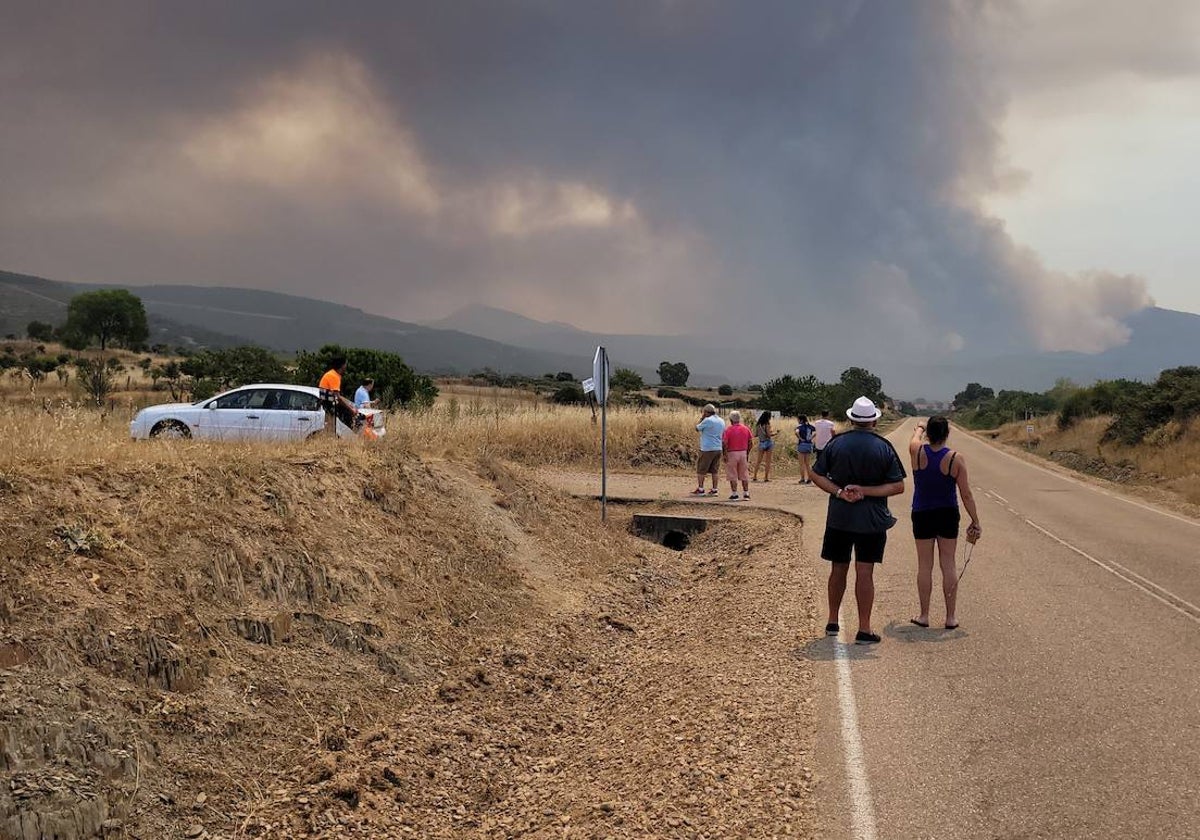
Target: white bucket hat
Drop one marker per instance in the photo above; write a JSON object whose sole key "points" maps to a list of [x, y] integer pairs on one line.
{"points": [[863, 411]]}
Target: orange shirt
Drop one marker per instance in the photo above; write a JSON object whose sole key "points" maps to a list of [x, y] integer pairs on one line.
{"points": [[331, 381]]}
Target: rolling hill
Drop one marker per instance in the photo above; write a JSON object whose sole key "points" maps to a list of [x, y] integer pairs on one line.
{"points": [[478, 336], [222, 316]]}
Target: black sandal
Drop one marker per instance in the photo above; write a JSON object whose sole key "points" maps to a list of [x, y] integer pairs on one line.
{"points": [[864, 638]]}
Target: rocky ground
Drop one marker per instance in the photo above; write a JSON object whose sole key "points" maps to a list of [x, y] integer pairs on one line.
{"points": [[453, 651], [680, 711]]}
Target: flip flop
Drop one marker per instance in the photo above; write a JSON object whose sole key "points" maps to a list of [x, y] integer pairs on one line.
{"points": [[864, 638], [924, 624], [951, 626]]}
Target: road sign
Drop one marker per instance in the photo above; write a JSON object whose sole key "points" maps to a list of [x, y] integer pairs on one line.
{"points": [[600, 375], [589, 385], [600, 389]]}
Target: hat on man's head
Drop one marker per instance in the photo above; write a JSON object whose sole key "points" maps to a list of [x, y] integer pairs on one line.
{"points": [[863, 411]]}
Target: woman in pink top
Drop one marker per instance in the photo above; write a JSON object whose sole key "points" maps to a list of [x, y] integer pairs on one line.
{"points": [[736, 443]]}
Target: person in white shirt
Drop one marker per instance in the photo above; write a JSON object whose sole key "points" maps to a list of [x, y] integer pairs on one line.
{"points": [[825, 432], [362, 397]]}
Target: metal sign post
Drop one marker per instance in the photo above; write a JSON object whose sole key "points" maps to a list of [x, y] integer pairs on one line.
{"points": [[600, 388]]}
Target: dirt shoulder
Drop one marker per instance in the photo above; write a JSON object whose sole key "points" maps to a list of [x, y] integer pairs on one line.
{"points": [[675, 710], [333, 644]]}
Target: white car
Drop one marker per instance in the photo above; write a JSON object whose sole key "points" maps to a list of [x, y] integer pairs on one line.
{"points": [[252, 412]]}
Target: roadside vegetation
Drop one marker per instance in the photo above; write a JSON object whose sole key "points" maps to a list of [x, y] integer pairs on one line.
{"points": [[1122, 430]]}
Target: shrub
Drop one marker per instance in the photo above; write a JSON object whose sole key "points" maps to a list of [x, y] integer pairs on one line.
{"points": [[570, 394], [625, 379], [395, 381], [725, 390]]}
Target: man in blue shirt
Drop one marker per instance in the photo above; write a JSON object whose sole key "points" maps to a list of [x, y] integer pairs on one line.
{"points": [[710, 427], [362, 397], [859, 469]]}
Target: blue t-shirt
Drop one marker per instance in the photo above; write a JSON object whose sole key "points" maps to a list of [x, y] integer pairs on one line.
{"points": [[361, 397], [804, 432], [710, 428], [860, 456]]}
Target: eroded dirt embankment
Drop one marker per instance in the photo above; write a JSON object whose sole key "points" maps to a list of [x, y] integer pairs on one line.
{"points": [[318, 645]]}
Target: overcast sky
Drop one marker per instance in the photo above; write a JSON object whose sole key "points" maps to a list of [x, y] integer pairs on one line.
{"points": [[927, 178]]}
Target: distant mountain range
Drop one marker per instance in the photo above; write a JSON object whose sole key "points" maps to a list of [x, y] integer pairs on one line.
{"points": [[1161, 338], [221, 316], [478, 336]]}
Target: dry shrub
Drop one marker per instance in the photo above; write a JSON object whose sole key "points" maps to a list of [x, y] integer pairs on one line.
{"points": [[1171, 453], [226, 612]]}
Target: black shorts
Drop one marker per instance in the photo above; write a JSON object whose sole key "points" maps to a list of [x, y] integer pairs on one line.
{"points": [[868, 548], [939, 522]]}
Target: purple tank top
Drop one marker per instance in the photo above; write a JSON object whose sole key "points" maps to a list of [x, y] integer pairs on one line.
{"points": [[931, 489]]}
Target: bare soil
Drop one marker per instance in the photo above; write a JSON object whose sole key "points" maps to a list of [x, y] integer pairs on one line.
{"points": [[322, 646]]}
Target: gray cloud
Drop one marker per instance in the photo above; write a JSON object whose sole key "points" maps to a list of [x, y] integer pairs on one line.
{"points": [[808, 170]]}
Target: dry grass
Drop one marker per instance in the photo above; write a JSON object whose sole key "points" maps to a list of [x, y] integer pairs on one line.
{"points": [[1170, 456], [60, 435], [157, 572]]}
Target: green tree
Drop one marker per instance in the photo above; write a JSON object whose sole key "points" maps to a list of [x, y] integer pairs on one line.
{"points": [[219, 370], [795, 396], [858, 382], [972, 396], [36, 367], [624, 379], [1174, 396], [107, 316], [674, 375], [40, 331], [395, 382], [725, 390]]}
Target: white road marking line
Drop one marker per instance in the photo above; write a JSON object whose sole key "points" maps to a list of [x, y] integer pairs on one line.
{"points": [[995, 447], [998, 496], [1165, 596], [862, 813]]}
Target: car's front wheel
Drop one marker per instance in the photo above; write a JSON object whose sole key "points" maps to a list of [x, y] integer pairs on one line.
{"points": [[171, 429]]}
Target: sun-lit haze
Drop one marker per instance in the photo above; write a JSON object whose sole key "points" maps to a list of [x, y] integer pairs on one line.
{"points": [[928, 180], [1104, 121]]}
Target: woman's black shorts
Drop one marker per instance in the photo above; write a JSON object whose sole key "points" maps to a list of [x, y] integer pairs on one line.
{"points": [[939, 522]]}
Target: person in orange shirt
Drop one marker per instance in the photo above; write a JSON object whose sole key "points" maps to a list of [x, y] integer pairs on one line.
{"points": [[331, 394]]}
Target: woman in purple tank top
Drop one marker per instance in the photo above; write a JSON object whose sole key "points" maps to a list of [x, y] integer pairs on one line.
{"points": [[939, 478]]}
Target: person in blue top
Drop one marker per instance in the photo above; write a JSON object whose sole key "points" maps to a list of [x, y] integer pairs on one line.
{"points": [[362, 397], [710, 427], [939, 478], [804, 447], [859, 469]]}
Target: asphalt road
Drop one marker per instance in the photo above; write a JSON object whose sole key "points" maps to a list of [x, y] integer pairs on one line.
{"points": [[1067, 704]]}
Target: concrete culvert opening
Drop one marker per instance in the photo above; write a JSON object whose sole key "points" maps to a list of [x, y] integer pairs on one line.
{"points": [[676, 540], [673, 532]]}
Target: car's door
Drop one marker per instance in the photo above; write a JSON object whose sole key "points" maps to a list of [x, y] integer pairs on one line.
{"points": [[234, 416], [290, 414]]}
